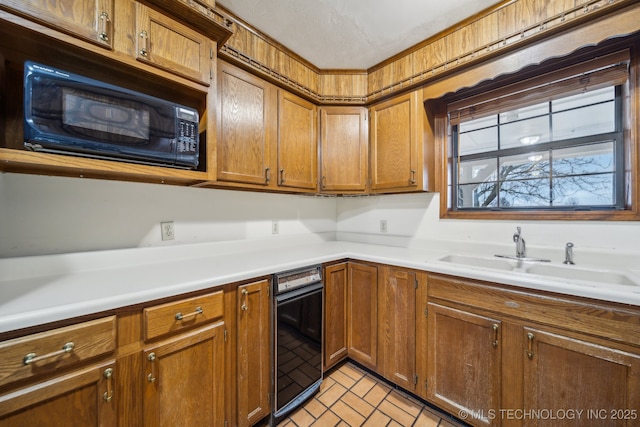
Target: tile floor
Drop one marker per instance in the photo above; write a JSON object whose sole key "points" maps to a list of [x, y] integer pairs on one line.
{"points": [[351, 397]]}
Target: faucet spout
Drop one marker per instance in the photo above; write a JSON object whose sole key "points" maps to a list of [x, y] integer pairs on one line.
{"points": [[521, 247], [568, 254]]}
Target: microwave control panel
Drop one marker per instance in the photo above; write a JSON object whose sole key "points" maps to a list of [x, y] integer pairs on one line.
{"points": [[187, 130]]}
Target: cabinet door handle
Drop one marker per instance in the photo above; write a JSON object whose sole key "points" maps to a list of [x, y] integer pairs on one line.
{"points": [[144, 51], [151, 357], [495, 335], [104, 34], [180, 316], [108, 395], [412, 180], [244, 305], [530, 345], [281, 176], [33, 357], [267, 175], [323, 182]]}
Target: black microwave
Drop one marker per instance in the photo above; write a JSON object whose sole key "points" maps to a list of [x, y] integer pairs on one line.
{"points": [[72, 114]]}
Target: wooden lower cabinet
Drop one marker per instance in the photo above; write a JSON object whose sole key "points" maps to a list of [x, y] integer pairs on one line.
{"points": [[183, 379], [397, 326], [253, 352], [362, 314], [464, 363], [81, 398], [598, 385], [335, 314]]}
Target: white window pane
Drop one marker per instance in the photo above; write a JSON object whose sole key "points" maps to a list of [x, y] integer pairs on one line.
{"points": [[588, 190], [585, 159], [477, 195], [525, 132], [525, 166], [478, 141], [477, 171], [524, 113], [483, 122], [591, 120], [585, 98], [527, 193]]}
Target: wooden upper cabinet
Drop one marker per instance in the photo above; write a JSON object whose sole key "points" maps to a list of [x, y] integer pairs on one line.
{"points": [[90, 20], [343, 149], [246, 132], [297, 142], [396, 129], [362, 314], [464, 363], [253, 357], [562, 372], [171, 46], [335, 314], [397, 326]]}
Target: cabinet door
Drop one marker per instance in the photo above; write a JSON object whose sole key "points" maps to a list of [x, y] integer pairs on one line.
{"points": [[246, 108], [184, 380], [600, 384], [398, 326], [335, 317], [171, 46], [253, 352], [395, 137], [362, 314], [464, 363], [82, 398], [344, 149], [297, 142], [90, 20]]}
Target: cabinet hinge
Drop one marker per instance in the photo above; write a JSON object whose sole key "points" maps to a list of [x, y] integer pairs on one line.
{"points": [[210, 74], [415, 379], [426, 312], [415, 282], [426, 383], [225, 335], [268, 290], [225, 423], [210, 53], [269, 399]]}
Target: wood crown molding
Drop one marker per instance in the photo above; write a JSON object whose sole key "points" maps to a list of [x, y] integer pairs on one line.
{"points": [[501, 29]]}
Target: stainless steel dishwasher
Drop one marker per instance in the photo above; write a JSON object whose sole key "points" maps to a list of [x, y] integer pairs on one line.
{"points": [[297, 338]]}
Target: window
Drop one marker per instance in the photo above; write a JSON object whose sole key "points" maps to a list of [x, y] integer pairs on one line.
{"points": [[552, 143]]}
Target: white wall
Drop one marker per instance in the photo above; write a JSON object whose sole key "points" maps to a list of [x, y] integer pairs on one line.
{"points": [[412, 217], [46, 215]]}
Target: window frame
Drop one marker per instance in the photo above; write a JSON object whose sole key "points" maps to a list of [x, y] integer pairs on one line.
{"points": [[615, 136], [437, 113]]}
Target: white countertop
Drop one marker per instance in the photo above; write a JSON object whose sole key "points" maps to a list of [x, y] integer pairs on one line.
{"points": [[42, 289]]}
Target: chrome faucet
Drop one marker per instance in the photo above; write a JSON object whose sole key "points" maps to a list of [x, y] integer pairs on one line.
{"points": [[568, 254], [521, 248]]}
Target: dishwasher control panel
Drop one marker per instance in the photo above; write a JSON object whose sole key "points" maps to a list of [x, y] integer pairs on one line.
{"points": [[294, 279]]}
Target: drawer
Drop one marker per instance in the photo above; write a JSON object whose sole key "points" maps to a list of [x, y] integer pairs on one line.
{"points": [[183, 314], [608, 320], [51, 350]]}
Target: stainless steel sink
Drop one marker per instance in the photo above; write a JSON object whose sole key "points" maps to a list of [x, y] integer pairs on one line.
{"points": [[576, 273], [496, 264]]}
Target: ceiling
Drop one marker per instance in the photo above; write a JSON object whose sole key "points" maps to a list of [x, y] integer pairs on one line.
{"points": [[352, 34]]}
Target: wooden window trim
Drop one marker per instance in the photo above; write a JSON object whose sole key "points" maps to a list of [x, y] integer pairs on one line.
{"points": [[439, 124]]}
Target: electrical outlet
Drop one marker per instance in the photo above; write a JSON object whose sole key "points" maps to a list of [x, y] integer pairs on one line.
{"points": [[275, 227], [168, 233], [383, 225]]}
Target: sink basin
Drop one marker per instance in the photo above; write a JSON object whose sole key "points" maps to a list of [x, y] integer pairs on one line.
{"points": [[573, 273], [496, 264]]}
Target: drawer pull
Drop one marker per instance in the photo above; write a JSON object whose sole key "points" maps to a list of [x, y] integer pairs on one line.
{"points": [[180, 316], [495, 335], [33, 357]]}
